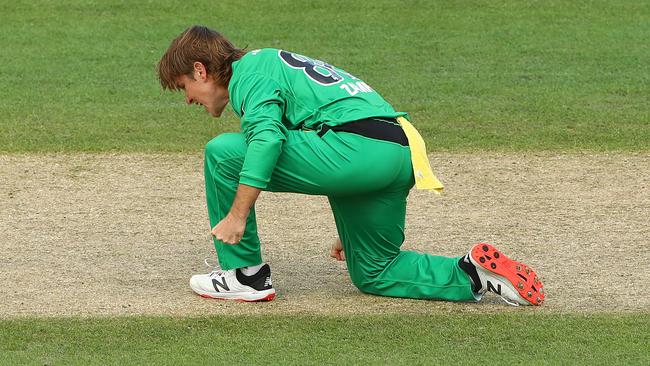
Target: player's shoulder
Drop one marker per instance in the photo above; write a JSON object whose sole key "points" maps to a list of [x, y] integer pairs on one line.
{"points": [[260, 56], [257, 62], [255, 67]]}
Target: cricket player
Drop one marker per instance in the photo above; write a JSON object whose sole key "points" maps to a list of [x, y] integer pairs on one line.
{"points": [[309, 127]]}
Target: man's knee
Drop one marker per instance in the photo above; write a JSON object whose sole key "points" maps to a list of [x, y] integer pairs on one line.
{"points": [[225, 146], [366, 278], [368, 286]]}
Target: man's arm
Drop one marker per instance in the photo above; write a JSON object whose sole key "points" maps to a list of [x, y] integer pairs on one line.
{"points": [[231, 229], [258, 101], [244, 200]]}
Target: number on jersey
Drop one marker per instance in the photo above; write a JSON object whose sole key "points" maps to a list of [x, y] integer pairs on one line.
{"points": [[324, 73], [318, 71]]}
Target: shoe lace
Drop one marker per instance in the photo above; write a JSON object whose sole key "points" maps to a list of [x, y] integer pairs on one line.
{"points": [[511, 303], [215, 269]]}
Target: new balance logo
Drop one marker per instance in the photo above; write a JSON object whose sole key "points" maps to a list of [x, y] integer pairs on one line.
{"points": [[490, 287], [267, 282], [216, 284]]}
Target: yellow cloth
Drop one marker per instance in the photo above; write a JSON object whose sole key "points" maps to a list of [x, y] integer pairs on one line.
{"points": [[424, 178]]}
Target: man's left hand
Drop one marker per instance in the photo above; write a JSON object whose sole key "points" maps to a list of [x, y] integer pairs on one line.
{"points": [[229, 230]]}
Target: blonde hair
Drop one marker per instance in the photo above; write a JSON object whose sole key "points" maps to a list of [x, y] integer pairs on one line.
{"points": [[202, 44]]}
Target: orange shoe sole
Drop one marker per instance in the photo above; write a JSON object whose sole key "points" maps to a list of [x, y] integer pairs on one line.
{"points": [[522, 277]]}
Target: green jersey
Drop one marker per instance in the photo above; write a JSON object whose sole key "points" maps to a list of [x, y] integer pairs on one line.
{"points": [[273, 91]]}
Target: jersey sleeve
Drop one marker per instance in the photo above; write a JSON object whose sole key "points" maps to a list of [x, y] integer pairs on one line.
{"points": [[260, 104]]}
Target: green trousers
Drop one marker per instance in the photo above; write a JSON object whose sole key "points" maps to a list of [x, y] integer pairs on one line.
{"points": [[367, 182]]}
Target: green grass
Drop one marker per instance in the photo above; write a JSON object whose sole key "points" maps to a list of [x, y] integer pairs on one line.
{"points": [[474, 75], [441, 339]]}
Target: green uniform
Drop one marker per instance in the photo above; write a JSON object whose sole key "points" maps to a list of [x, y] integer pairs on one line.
{"points": [[283, 99]]}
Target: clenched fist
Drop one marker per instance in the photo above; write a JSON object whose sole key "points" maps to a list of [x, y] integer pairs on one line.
{"points": [[337, 251]]}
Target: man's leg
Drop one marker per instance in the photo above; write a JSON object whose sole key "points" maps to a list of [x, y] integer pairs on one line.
{"points": [[224, 157], [371, 229]]}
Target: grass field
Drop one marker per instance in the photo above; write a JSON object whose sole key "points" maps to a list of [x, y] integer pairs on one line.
{"points": [[446, 339], [474, 75]]}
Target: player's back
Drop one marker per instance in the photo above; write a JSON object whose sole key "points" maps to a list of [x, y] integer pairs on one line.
{"points": [[313, 91]]}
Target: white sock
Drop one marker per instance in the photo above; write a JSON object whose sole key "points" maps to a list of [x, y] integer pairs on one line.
{"points": [[251, 270]]}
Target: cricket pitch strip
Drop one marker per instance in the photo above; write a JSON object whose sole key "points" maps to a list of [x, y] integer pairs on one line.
{"points": [[121, 234]]}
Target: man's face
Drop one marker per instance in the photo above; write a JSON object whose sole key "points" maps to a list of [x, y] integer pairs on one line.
{"points": [[203, 90]]}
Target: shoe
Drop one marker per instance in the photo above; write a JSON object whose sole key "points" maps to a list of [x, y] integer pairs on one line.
{"points": [[515, 282], [234, 285]]}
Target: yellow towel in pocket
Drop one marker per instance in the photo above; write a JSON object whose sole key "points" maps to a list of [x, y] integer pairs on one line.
{"points": [[424, 177]]}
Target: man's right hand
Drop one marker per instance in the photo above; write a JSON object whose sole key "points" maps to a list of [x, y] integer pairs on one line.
{"points": [[337, 251]]}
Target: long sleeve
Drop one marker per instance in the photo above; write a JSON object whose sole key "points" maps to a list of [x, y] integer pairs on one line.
{"points": [[260, 104]]}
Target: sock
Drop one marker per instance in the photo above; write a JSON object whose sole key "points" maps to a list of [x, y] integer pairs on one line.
{"points": [[251, 270], [469, 268]]}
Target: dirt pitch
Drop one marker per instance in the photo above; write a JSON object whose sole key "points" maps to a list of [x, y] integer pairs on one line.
{"points": [[101, 234]]}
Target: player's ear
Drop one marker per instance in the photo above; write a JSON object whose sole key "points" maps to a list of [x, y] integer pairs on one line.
{"points": [[200, 73]]}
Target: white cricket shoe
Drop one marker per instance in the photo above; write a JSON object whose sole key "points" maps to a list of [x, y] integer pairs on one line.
{"points": [[234, 285], [515, 282]]}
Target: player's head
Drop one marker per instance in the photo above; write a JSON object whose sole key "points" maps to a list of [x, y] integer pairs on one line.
{"points": [[198, 44], [199, 61]]}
